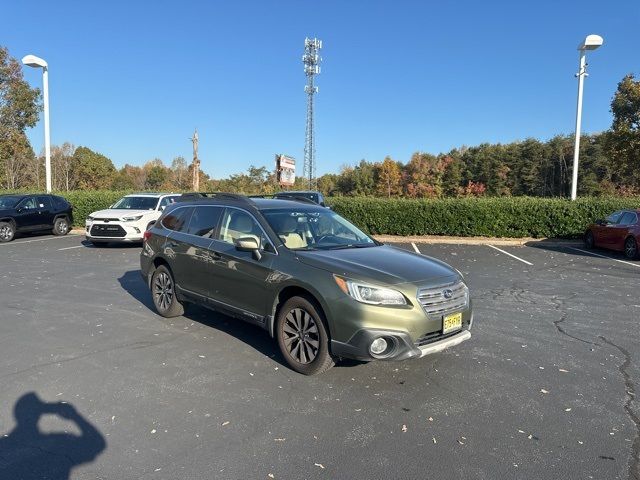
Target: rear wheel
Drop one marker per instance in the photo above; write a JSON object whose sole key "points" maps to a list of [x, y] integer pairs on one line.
{"points": [[7, 231], [61, 226], [163, 292], [302, 337], [589, 240], [631, 248]]}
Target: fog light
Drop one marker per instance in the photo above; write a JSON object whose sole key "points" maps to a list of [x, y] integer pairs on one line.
{"points": [[378, 346], [136, 229]]}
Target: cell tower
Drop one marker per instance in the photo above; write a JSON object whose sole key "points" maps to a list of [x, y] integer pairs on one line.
{"points": [[311, 60]]}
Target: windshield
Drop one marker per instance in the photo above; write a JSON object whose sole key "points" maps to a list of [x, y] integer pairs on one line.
{"points": [[316, 230], [8, 202], [136, 203]]}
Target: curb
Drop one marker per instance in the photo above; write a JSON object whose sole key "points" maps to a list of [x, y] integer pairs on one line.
{"points": [[513, 242], [434, 239]]}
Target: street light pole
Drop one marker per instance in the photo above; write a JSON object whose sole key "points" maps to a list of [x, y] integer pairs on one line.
{"points": [[582, 72], [590, 43], [33, 61]]}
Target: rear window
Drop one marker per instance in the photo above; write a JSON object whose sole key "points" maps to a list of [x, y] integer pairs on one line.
{"points": [[60, 203]]}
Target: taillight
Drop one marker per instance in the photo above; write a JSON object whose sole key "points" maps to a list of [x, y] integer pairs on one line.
{"points": [[146, 235]]}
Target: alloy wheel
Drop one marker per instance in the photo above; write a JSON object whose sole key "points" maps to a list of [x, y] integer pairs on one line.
{"points": [[6, 232], [630, 248], [63, 227], [163, 291], [301, 336]]}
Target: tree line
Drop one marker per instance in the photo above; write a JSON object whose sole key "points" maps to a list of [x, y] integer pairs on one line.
{"points": [[609, 161]]}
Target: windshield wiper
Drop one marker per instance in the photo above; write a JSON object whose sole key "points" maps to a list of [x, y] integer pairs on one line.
{"points": [[351, 245]]}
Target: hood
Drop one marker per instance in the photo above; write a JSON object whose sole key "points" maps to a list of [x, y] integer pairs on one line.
{"points": [[7, 211], [118, 213], [383, 265]]}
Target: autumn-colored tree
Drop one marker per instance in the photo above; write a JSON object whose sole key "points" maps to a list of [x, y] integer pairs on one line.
{"points": [[19, 108], [623, 140], [389, 178]]}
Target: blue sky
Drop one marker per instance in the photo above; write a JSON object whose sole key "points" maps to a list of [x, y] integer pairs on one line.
{"points": [[133, 79]]}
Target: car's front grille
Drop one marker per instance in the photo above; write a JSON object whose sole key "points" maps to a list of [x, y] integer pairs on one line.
{"points": [[444, 299], [107, 231], [432, 337], [107, 219]]}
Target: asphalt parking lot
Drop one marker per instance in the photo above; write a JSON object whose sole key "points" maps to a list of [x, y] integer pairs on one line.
{"points": [[545, 388]]}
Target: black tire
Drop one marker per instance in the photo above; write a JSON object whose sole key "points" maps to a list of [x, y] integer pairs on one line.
{"points": [[7, 231], [61, 226], [302, 336], [589, 240], [163, 293], [631, 248]]}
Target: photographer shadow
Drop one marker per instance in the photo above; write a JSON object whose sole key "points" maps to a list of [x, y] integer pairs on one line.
{"points": [[26, 453]]}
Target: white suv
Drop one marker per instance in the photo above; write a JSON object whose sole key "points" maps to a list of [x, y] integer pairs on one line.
{"points": [[128, 218]]}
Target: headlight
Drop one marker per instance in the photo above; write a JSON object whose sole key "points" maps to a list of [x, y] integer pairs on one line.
{"points": [[370, 294], [132, 219], [89, 218]]}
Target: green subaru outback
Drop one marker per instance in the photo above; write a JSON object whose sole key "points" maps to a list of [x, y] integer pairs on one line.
{"points": [[315, 282]]}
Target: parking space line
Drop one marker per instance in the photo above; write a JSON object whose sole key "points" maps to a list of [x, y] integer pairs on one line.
{"points": [[511, 255], [604, 256], [39, 240], [69, 248], [415, 247]]}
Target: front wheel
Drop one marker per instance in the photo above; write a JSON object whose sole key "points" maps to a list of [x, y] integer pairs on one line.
{"points": [[61, 226], [163, 291], [631, 248], [7, 231], [302, 337], [589, 241]]}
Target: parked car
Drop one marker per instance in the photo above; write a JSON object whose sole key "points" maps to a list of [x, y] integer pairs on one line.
{"points": [[620, 231], [32, 213], [315, 282], [128, 218], [316, 197]]}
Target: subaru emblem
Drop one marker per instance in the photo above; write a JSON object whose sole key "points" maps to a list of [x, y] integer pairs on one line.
{"points": [[447, 293]]}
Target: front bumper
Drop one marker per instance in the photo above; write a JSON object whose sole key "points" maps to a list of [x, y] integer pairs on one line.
{"points": [[403, 345], [114, 232]]}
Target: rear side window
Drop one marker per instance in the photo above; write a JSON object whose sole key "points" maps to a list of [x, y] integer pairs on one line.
{"points": [[177, 219], [204, 221], [44, 202]]}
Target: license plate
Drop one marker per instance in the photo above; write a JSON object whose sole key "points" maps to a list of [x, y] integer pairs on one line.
{"points": [[451, 322]]}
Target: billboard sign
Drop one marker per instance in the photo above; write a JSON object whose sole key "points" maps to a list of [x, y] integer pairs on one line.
{"points": [[285, 170]]}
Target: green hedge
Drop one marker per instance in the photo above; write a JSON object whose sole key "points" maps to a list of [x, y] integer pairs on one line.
{"points": [[492, 217], [465, 217]]}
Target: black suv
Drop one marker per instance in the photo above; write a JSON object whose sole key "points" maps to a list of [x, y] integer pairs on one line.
{"points": [[315, 197], [34, 212]]}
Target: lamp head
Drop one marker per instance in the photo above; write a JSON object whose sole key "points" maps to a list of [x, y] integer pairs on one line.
{"points": [[33, 61], [591, 42]]}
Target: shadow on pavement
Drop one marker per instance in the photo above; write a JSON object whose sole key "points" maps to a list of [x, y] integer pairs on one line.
{"points": [[26, 453], [578, 249], [252, 335]]}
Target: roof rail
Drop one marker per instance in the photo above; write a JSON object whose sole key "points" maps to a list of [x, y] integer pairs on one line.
{"points": [[195, 196]]}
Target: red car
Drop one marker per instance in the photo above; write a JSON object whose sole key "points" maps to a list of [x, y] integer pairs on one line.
{"points": [[620, 231]]}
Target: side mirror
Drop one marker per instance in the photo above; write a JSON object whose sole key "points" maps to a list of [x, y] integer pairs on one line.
{"points": [[249, 244], [19, 209], [601, 222]]}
